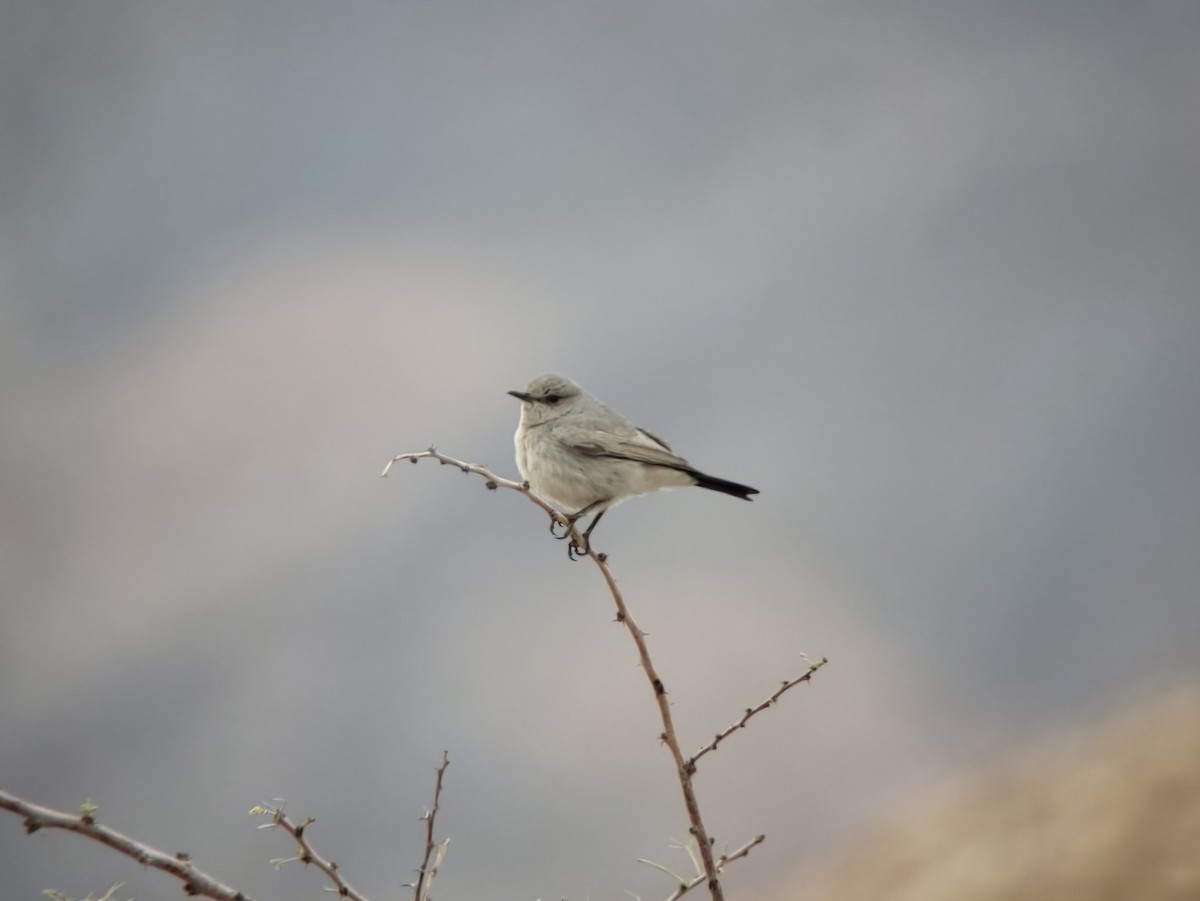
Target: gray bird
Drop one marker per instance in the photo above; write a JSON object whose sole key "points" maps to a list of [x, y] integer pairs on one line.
{"points": [[575, 451]]}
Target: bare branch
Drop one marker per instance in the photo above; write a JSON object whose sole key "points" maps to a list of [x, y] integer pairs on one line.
{"points": [[751, 711], [427, 872], [492, 482], [179, 865], [307, 855], [669, 738], [683, 768]]}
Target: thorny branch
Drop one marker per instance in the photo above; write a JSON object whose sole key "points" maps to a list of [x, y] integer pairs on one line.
{"points": [[639, 638], [427, 872], [685, 769], [307, 855], [196, 882], [179, 865], [751, 711]]}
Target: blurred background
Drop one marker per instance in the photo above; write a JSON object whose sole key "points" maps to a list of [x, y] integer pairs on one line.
{"points": [[925, 274]]}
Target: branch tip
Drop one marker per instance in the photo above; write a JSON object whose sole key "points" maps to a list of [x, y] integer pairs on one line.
{"points": [[749, 712]]}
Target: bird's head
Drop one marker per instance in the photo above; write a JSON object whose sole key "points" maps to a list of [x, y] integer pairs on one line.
{"points": [[548, 397]]}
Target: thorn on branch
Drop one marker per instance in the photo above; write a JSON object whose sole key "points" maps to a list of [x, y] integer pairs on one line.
{"points": [[31, 825], [491, 486], [183, 856]]}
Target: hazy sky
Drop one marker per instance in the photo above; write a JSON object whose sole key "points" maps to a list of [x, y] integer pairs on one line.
{"points": [[925, 274]]}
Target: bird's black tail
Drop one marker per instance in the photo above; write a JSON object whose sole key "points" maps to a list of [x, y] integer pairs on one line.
{"points": [[723, 485]]}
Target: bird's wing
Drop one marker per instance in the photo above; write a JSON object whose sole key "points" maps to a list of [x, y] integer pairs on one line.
{"points": [[655, 439], [632, 443]]}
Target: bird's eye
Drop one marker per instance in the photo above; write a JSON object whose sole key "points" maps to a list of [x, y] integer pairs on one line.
{"points": [[552, 398]]}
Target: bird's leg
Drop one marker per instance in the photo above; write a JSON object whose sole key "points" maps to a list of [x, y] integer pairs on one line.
{"points": [[575, 550], [591, 526], [573, 518]]}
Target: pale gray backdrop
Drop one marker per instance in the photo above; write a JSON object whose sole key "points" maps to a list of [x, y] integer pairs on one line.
{"points": [[927, 274]]}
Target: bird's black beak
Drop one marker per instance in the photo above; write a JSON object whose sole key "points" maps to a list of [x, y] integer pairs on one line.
{"points": [[520, 395]]}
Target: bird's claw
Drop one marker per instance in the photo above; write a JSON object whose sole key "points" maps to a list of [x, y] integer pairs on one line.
{"points": [[575, 550], [566, 527]]}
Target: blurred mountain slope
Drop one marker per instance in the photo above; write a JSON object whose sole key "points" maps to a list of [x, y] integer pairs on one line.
{"points": [[1112, 815]]}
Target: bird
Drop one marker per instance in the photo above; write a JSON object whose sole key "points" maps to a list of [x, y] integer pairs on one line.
{"points": [[586, 458]]}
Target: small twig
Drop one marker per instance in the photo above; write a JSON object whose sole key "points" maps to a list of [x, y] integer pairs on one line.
{"points": [[751, 711], [179, 865], [682, 880], [426, 873], [686, 885], [493, 482], [307, 855]]}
